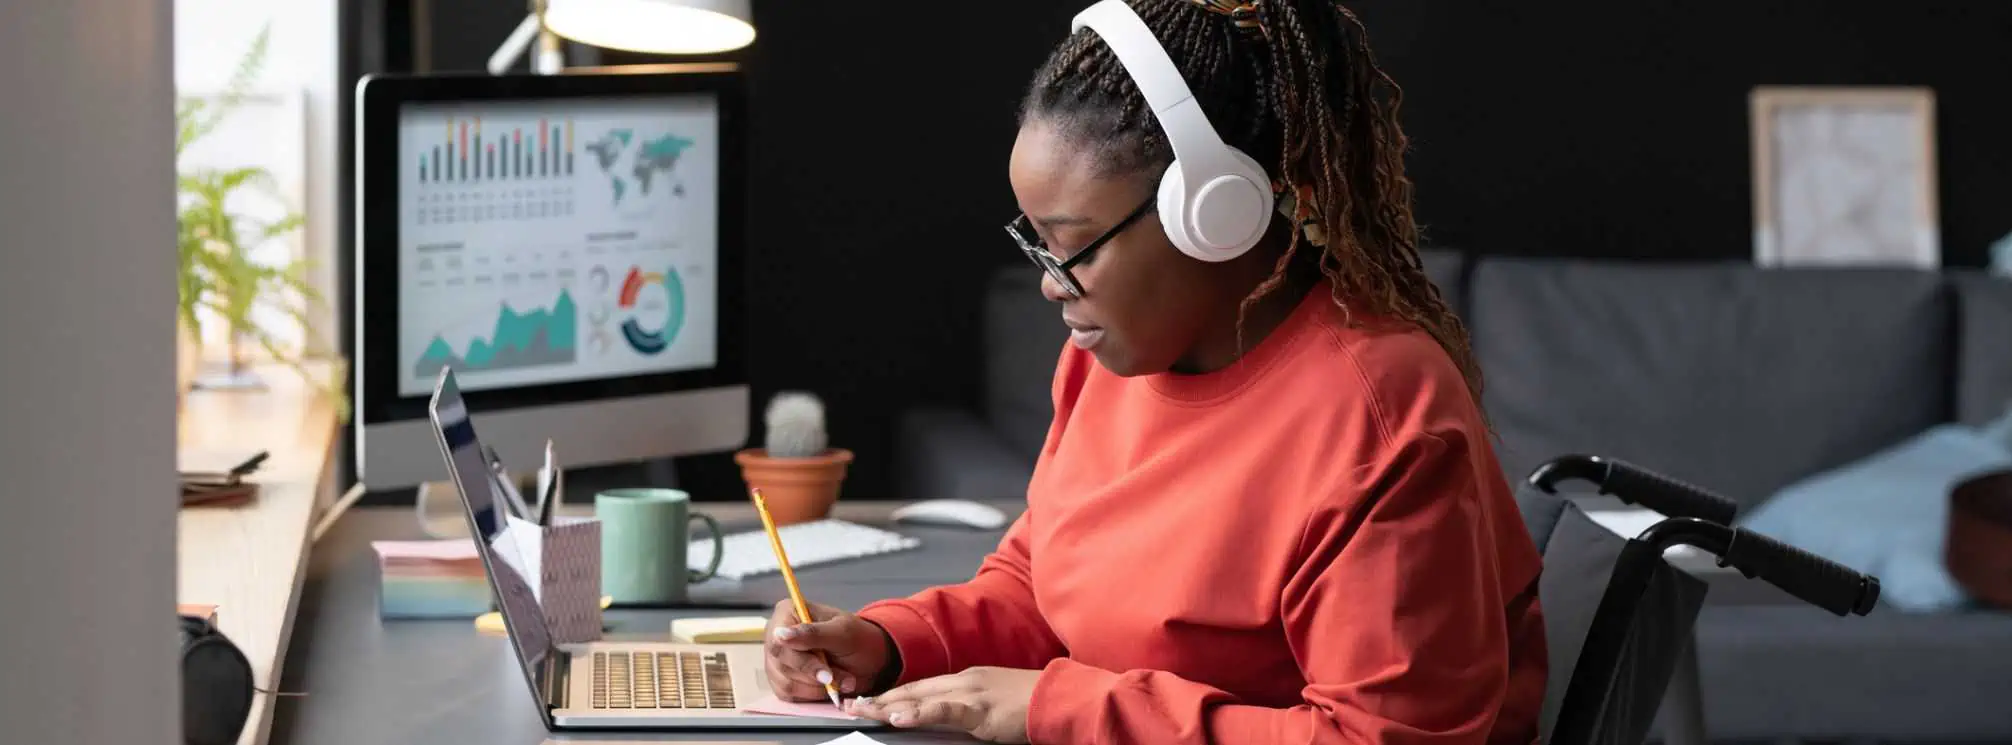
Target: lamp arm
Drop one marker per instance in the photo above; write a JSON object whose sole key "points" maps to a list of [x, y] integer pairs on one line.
{"points": [[550, 60], [514, 46]]}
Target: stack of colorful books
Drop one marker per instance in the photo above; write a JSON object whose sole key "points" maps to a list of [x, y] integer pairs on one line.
{"points": [[430, 579]]}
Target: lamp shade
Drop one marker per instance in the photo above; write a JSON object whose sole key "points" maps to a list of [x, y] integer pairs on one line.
{"points": [[654, 26]]}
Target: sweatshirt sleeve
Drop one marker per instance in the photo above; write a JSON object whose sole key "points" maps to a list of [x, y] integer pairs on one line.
{"points": [[1395, 615], [990, 620]]}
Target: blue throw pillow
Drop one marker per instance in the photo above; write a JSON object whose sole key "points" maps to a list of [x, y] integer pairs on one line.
{"points": [[1888, 514], [2000, 431]]}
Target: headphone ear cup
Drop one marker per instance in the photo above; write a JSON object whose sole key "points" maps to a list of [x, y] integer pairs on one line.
{"points": [[1174, 212], [1236, 206], [1267, 201]]}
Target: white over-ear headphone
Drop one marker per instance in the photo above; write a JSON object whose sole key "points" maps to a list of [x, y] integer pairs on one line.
{"points": [[1215, 201]]}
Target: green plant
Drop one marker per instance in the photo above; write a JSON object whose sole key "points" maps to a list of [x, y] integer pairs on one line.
{"points": [[218, 273]]}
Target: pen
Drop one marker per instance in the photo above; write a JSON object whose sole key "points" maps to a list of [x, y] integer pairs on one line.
{"points": [[250, 465], [550, 481], [789, 578], [501, 478]]}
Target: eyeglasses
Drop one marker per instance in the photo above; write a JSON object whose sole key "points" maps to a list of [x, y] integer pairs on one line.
{"points": [[1022, 230]]}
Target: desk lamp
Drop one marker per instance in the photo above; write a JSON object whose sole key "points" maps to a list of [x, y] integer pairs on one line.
{"points": [[650, 26]]}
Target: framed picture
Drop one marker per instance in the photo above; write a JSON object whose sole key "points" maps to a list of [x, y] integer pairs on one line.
{"points": [[1845, 176]]}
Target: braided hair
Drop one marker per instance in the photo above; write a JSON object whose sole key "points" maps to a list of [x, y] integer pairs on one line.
{"points": [[1293, 84]]}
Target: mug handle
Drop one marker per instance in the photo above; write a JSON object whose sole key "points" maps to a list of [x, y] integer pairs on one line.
{"points": [[719, 547]]}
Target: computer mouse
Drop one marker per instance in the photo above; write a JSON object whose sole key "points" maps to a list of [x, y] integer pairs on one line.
{"points": [[955, 512]]}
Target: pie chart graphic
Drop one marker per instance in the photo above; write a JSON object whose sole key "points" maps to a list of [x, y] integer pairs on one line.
{"points": [[655, 305]]}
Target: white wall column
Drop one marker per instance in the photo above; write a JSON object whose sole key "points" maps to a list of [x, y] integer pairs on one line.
{"points": [[87, 369]]}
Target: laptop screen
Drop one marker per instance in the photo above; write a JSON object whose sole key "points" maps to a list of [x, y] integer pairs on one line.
{"points": [[487, 520]]}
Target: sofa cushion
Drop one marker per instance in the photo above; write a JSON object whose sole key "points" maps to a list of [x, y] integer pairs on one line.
{"points": [[945, 453], [1023, 338], [1887, 515], [1728, 376], [2000, 430], [1984, 366], [1796, 671]]}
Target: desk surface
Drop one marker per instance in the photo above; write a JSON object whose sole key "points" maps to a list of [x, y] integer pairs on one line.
{"points": [[398, 682], [248, 560]]}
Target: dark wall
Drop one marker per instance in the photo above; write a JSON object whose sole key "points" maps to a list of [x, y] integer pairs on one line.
{"points": [[879, 191], [1572, 128], [881, 141], [1619, 129]]}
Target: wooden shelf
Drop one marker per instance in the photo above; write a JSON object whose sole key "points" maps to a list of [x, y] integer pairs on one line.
{"points": [[250, 560]]}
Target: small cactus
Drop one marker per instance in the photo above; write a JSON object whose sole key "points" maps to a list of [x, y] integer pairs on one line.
{"points": [[795, 425]]}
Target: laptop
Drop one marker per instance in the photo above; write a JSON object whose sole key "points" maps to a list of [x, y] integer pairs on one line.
{"points": [[602, 685]]}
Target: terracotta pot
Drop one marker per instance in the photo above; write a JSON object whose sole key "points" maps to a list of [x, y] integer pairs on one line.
{"points": [[796, 489]]}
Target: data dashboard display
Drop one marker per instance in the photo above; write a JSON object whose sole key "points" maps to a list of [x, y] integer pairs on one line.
{"points": [[546, 242]]}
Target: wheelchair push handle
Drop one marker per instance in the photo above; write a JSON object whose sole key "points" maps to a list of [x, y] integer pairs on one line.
{"points": [[1637, 485], [1813, 579]]}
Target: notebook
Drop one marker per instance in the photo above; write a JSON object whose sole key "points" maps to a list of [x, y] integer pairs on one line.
{"points": [[771, 705]]}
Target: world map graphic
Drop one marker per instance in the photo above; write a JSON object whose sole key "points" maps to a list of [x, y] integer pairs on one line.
{"points": [[625, 160]]}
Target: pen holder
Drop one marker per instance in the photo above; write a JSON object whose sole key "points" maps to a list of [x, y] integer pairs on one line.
{"points": [[553, 573]]}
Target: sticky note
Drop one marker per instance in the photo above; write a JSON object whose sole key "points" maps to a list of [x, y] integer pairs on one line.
{"points": [[727, 630]]}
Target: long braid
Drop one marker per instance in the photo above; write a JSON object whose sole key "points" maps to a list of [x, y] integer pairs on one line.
{"points": [[1293, 83]]}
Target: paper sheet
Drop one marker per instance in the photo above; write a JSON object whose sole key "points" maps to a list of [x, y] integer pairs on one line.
{"points": [[851, 738], [572, 741], [820, 709], [525, 539]]}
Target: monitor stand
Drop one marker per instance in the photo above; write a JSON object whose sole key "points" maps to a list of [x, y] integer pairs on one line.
{"points": [[439, 511], [661, 473]]}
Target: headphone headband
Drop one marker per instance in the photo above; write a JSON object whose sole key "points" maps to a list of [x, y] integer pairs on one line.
{"points": [[1215, 201], [1193, 139]]}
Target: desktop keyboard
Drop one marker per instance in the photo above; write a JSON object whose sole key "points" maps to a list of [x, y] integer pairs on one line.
{"points": [[808, 544]]}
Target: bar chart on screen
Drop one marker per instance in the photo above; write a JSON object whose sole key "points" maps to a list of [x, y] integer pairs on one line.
{"points": [[516, 168]]}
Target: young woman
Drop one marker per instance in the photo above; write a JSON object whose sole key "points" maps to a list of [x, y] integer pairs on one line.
{"points": [[1267, 510]]}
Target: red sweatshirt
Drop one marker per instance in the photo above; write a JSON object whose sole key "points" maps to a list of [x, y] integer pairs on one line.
{"points": [[1313, 545]]}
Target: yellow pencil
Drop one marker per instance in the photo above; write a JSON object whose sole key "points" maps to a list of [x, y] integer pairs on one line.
{"points": [[795, 593]]}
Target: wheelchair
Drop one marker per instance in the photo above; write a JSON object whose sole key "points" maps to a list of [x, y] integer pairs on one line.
{"points": [[1619, 616]]}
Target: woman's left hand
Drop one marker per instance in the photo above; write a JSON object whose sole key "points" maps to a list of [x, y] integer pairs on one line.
{"points": [[988, 702]]}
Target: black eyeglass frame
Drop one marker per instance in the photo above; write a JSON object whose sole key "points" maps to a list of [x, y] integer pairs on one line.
{"points": [[1022, 230]]}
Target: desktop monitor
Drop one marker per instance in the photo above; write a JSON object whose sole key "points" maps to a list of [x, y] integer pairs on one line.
{"points": [[570, 245]]}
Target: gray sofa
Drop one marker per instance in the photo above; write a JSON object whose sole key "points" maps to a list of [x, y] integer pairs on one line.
{"points": [[1738, 378]]}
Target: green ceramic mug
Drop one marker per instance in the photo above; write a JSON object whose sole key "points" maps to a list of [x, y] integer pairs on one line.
{"points": [[645, 539]]}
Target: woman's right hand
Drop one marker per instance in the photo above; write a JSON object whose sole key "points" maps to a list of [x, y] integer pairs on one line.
{"points": [[858, 650]]}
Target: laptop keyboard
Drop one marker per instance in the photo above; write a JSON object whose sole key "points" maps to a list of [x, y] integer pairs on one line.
{"points": [[662, 680]]}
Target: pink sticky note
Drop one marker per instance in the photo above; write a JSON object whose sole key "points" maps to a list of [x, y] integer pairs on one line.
{"points": [[450, 549], [820, 709]]}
